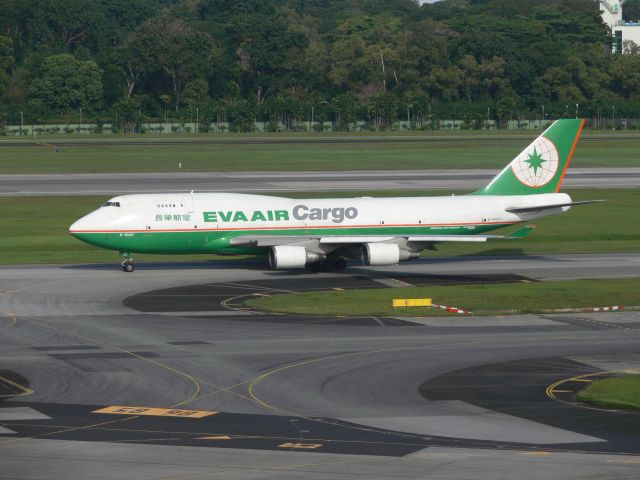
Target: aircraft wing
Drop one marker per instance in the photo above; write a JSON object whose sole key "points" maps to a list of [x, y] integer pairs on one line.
{"points": [[275, 240], [337, 240]]}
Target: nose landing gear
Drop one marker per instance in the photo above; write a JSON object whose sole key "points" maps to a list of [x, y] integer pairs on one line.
{"points": [[127, 264]]}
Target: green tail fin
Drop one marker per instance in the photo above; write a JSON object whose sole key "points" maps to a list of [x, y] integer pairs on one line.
{"points": [[540, 167]]}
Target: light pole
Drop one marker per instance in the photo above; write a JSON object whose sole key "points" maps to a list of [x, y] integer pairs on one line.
{"points": [[21, 122], [139, 124], [613, 117], [312, 112], [80, 128], [542, 115], [197, 120], [576, 110]]}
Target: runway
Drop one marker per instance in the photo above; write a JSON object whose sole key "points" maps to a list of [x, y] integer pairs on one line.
{"points": [[163, 373], [114, 184], [216, 139]]}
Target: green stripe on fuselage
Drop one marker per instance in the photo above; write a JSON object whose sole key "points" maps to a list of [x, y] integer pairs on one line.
{"points": [[214, 241]]}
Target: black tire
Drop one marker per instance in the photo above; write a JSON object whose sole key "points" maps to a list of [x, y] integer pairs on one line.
{"points": [[315, 267], [333, 263], [128, 267]]}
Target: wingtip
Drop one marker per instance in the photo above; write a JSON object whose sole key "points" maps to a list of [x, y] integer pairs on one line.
{"points": [[521, 232]]}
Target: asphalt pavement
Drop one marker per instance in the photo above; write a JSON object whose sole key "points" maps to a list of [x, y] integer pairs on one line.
{"points": [[163, 373], [282, 182]]}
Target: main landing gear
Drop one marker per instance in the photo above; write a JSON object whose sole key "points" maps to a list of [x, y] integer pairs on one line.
{"points": [[330, 264], [340, 264], [127, 264]]}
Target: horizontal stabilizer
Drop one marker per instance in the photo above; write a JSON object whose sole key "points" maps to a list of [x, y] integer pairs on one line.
{"points": [[538, 208]]}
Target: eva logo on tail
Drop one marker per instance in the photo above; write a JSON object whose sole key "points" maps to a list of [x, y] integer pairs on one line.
{"points": [[540, 167], [536, 165]]}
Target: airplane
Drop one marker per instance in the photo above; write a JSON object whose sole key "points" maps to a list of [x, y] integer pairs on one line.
{"points": [[324, 233]]}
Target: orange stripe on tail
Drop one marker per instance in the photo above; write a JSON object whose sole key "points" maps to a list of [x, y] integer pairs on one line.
{"points": [[573, 147]]}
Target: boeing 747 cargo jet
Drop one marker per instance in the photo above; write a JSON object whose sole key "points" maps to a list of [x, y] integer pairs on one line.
{"points": [[323, 233]]}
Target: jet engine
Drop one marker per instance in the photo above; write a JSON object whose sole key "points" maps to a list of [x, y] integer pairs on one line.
{"points": [[289, 256], [378, 254]]}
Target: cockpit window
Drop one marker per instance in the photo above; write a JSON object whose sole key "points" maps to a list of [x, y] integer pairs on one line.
{"points": [[111, 204]]}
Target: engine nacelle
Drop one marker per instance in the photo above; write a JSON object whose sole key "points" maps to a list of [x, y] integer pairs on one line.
{"points": [[380, 254], [290, 256]]}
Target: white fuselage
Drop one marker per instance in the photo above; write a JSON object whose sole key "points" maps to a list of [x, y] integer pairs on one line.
{"points": [[237, 212]]}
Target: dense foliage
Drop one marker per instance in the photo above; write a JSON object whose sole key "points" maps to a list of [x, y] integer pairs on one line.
{"points": [[289, 61]]}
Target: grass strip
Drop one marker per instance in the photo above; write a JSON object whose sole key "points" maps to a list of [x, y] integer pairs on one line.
{"points": [[528, 297], [619, 393], [37, 229]]}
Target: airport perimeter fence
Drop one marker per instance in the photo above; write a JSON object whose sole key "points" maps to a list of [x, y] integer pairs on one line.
{"points": [[267, 127]]}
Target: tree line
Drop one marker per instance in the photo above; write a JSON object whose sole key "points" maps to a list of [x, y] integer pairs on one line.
{"points": [[291, 62]]}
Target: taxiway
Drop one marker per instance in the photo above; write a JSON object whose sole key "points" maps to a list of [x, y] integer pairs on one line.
{"points": [[120, 183], [285, 397]]}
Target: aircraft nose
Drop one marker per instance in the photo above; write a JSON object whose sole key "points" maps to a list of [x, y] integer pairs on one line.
{"points": [[79, 226], [74, 228]]}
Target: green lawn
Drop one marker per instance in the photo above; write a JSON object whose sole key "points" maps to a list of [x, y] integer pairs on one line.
{"points": [[605, 227], [480, 299], [621, 392], [39, 229], [440, 154]]}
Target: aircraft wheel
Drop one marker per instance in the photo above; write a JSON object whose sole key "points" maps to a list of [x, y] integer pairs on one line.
{"points": [[341, 264], [316, 266], [333, 263], [128, 266]]}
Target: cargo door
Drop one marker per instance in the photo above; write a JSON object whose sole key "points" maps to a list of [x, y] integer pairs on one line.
{"points": [[188, 203]]}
